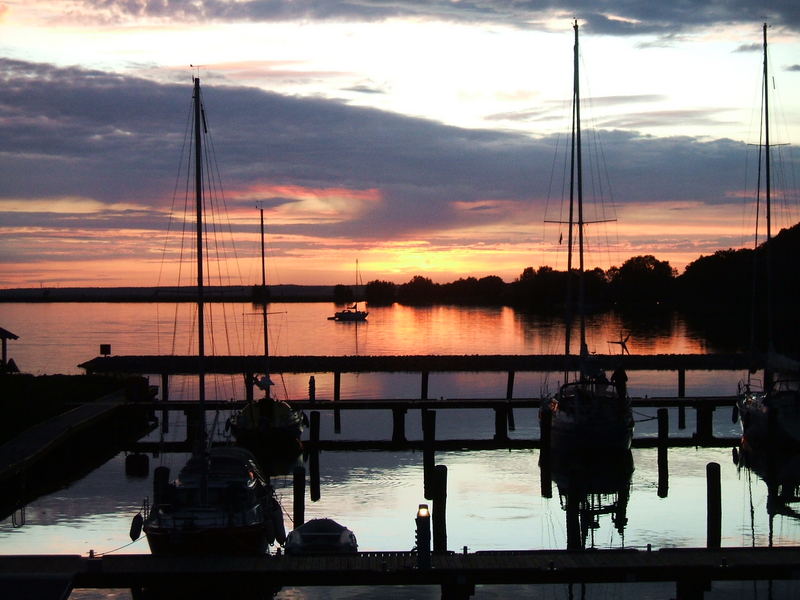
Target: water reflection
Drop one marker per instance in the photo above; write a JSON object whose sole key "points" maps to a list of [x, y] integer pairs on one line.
{"points": [[589, 487]]}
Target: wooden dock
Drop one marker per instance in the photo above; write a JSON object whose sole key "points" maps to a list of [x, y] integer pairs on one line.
{"points": [[691, 569]]}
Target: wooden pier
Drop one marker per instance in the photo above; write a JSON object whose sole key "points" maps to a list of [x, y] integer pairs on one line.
{"points": [[692, 570]]}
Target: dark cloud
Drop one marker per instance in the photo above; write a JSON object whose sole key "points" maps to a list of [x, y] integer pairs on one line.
{"points": [[793, 68], [610, 17], [117, 140]]}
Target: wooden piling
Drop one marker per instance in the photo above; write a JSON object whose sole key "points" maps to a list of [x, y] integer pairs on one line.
{"points": [[249, 380], [705, 423], [682, 417], [546, 483], [337, 394], [714, 506], [314, 426], [399, 425], [663, 444], [501, 423], [428, 439], [423, 394], [164, 398], [313, 475], [512, 426], [681, 383], [299, 496], [439, 509]]}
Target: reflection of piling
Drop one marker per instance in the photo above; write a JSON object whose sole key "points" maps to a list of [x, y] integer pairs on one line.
{"points": [[714, 504], [313, 457], [439, 509], [337, 391], [546, 484], [423, 393], [512, 426], [313, 475], [299, 504], [399, 425], [501, 423], [428, 439], [164, 398], [573, 522], [663, 444]]}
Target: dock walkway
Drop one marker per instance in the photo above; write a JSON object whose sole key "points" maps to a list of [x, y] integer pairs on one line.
{"points": [[691, 569]]}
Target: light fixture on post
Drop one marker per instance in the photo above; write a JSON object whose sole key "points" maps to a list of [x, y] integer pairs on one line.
{"points": [[423, 535]]}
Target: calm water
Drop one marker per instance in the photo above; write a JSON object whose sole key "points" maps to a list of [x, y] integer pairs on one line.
{"points": [[495, 498]]}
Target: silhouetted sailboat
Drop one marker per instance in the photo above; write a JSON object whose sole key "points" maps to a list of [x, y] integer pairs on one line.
{"points": [[352, 312], [770, 410], [267, 426], [220, 503], [587, 412]]}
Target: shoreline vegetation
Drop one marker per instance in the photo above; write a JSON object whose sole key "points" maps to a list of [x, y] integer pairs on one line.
{"points": [[726, 279]]}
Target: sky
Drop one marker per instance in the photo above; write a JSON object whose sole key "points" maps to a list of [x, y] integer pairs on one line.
{"points": [[417, 137]]}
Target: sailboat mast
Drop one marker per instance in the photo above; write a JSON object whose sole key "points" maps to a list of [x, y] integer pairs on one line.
{"points": [[264, 299], [568, 300], [579, 173], [767, 190], [198, 184]]}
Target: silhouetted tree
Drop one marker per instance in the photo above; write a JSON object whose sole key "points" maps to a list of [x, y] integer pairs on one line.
{"points": [[642, 279], [420, 290], [342, 294], [380, 292]]}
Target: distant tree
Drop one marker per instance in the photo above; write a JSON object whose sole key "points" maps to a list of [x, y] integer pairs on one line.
{"points": [[420, 290], [342, 294], [491, 289], [642, 279], [380, 292]]}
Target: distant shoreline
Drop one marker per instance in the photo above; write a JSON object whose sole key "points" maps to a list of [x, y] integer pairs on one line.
{"points": [[232, 293]]}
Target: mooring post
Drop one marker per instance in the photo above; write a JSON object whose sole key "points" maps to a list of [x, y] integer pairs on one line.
{"points": [[663, 445], [398, 425], [501, 423], [314, 426], [249, 380], [705, 423], [714, 504], [439, 509], [299, 496], [423, 395], [681, 383], [682, 416], [313, 457], [428, 439], [313, 475], [165, 398], [512, 426], [337, 391], [546, 483]]}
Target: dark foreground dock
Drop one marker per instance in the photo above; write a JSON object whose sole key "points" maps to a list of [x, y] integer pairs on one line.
{"points": [[692, 570]]}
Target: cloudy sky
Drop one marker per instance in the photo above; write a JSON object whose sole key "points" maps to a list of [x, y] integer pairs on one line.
{"points": [[418, 136]]}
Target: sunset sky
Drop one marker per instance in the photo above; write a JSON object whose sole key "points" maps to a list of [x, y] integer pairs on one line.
{"points": [[421, 137]]}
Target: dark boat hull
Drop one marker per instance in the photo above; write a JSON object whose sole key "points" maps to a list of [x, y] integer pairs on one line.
{"points": [[204, 541]]}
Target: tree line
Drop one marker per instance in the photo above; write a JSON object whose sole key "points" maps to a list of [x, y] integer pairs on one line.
{"points": [[731, 279]]}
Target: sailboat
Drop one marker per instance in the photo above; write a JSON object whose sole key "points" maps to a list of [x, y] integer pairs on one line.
{"points": [[587, 413], [220, 503], [267, 426], [352, 312], [770, 410]]}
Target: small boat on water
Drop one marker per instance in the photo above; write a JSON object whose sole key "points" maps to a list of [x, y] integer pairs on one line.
{"points": [[352, 312], [321, 536], [589, 412], [220, 503], [770, 410]]}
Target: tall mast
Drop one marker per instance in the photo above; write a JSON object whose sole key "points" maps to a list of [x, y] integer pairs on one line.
{"points": [[579, 174], [264, 302], [767, 190], [198, 185], [568, 333]]}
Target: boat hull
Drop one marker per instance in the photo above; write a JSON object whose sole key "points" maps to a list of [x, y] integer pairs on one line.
{"points": [[771, 419], [208, 541]]}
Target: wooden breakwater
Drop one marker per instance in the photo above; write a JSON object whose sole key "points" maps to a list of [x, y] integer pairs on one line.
{"points": [[187, 365]]}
